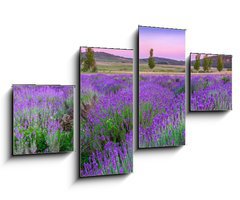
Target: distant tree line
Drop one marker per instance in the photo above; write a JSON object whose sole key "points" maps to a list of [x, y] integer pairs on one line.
{"points": [[207, 63]]}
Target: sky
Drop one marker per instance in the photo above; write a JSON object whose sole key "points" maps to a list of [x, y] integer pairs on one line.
{"points": [[166, 43], [127, 53]]}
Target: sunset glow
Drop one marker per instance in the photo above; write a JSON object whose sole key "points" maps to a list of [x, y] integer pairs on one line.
{"points": [[166, 43]]}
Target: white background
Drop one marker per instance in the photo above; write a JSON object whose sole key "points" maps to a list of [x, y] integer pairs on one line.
{"points": [[39, 43]]}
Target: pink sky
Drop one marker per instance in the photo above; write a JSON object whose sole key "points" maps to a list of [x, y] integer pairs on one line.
{"points": [[127, 53], [166, 43]]}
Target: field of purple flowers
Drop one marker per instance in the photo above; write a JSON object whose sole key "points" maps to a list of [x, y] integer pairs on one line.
{"points": [[211, 92], [161, 110], [106, 124], [43, 119]]}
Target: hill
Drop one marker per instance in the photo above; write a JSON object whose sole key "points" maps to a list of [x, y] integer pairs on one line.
{"points": [[163, 61], [106, 57]]}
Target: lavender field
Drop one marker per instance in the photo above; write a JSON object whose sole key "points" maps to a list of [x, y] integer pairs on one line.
{"points": [[212, 92], [161, 110], [43, 119], [106, 145]]}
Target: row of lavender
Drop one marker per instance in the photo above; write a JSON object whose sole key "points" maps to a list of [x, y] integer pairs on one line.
{"points": [[161, 111], [106, 104]]}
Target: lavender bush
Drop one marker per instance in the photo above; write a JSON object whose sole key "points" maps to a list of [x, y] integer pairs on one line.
{"points": [[161, 110], [211, 92], [43, 119], [106, 124]]}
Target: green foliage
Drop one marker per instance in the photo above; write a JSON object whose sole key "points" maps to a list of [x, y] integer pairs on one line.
{"points": [[220, 63], [89, 63], [146, 109], [179, 90], [119, 124], [151, 61], [206, 83], [85, 67], [41, 141], [226, 79], [84, 158], [87, 100], [37, 140], [207, 63], [197, 62], [170, 137], [66, 141]]}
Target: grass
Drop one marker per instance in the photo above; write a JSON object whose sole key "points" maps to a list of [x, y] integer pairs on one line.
{"points": [[162, 68], [113, 67], [116, 68]]}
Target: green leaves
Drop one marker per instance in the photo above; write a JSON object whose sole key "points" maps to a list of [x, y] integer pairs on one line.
{"points": [[197, 62], [146, 109], [226, 79], [220, 63], [151, 60], [41, 140], [207, 63], [89, 63], [66, 141]]}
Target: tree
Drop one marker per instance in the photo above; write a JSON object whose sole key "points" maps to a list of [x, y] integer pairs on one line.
{"points": [[197, 62], [205, 63], [151, 61], [220, 63], [89, 61], [210, 62]]}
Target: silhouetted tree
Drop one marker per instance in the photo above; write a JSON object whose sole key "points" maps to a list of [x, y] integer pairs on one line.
{"points": [[151, 61]]}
